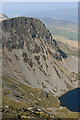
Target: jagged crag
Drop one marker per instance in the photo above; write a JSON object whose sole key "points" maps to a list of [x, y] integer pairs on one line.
{"points": [[32, 73]]}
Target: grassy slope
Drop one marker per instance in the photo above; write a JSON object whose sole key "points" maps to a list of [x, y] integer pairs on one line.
{"points": [[27, 97], [30, 97]]}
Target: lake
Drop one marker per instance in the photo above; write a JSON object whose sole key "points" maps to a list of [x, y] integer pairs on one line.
{"points": [[71, 100]]}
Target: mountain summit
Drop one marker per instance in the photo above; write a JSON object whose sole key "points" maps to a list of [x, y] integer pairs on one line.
{"points": [[32, 63], [30, 54]]}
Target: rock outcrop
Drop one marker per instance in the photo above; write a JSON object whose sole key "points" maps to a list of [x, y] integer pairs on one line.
{"points": [[32, 70], [31, 56]]}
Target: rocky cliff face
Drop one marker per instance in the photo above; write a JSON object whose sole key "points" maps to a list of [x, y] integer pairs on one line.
{"points": [[32, 64], [31, 55]]}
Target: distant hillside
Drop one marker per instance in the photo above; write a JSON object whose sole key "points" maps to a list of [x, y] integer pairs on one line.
{"points": [[53, 21], [65, 32], [61, 27], [66, 14], [3, 17], [61, 22]]}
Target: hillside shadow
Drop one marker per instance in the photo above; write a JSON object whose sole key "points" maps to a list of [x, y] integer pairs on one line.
{"points": [[64, 55]]}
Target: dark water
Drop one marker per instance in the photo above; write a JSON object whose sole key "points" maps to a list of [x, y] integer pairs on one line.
{"points": [[71, 100]]}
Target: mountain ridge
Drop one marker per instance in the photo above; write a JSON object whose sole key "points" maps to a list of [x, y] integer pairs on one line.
{"points": [[31, 63], [33, 49]]}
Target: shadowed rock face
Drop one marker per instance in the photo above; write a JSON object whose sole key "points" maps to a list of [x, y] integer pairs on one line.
{"points": [[71, 100], [31, 56]]}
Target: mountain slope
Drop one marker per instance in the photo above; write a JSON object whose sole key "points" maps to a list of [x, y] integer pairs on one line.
{"points": [[29, 44], [31, 64]]}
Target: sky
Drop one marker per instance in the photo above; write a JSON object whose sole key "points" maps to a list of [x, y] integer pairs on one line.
{"points": [[12, 9]]}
